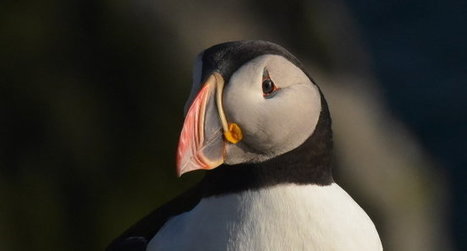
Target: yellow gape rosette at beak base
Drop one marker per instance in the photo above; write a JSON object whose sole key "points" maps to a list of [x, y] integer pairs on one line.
{"points": [[201, 144], [233, 134]]}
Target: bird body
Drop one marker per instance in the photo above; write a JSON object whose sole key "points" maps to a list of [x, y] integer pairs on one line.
{"points": [[261, 126], [283, 217]]}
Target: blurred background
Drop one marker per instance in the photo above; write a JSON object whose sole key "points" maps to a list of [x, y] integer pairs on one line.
{"points": [[92, 95]]}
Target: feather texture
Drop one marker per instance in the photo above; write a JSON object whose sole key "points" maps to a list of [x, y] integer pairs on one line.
{"points": [[283, 217]]}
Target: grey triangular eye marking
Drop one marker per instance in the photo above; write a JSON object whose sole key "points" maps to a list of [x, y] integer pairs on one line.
{"points": [[265, 74]]}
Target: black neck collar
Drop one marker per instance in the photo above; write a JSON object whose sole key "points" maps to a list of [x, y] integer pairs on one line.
{"points": [[310, 163]]}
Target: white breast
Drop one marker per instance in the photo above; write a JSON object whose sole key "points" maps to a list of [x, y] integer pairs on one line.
{"points": [[284, 217]]}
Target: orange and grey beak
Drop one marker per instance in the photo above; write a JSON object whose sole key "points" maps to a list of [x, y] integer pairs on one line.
{"points": [[206, 130]]}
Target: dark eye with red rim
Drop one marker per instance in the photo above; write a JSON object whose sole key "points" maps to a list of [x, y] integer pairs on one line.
{"points": [[268, 87]]}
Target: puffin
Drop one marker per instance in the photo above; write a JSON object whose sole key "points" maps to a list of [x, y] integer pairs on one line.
{"points": [[260, 125]]}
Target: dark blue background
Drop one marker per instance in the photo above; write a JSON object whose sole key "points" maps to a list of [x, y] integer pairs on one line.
{"points": [[419, 53]]}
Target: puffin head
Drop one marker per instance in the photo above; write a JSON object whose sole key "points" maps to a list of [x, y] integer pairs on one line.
{"points": [[253, 107]]}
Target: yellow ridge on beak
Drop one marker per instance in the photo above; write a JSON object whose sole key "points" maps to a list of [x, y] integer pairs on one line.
{"points": [[232, 131]]}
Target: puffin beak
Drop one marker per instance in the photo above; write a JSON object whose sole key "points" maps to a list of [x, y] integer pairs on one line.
{"points": [[205, 131]]}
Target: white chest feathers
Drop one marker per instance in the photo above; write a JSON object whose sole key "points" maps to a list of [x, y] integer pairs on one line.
{"points": [[284, 217]]}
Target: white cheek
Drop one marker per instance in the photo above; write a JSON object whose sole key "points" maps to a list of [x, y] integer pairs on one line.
{"points": [[271, 126], [244, 106], [292, 119]]}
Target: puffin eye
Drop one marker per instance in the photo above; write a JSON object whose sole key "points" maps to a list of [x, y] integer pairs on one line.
{"points": [[268, 87]]}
